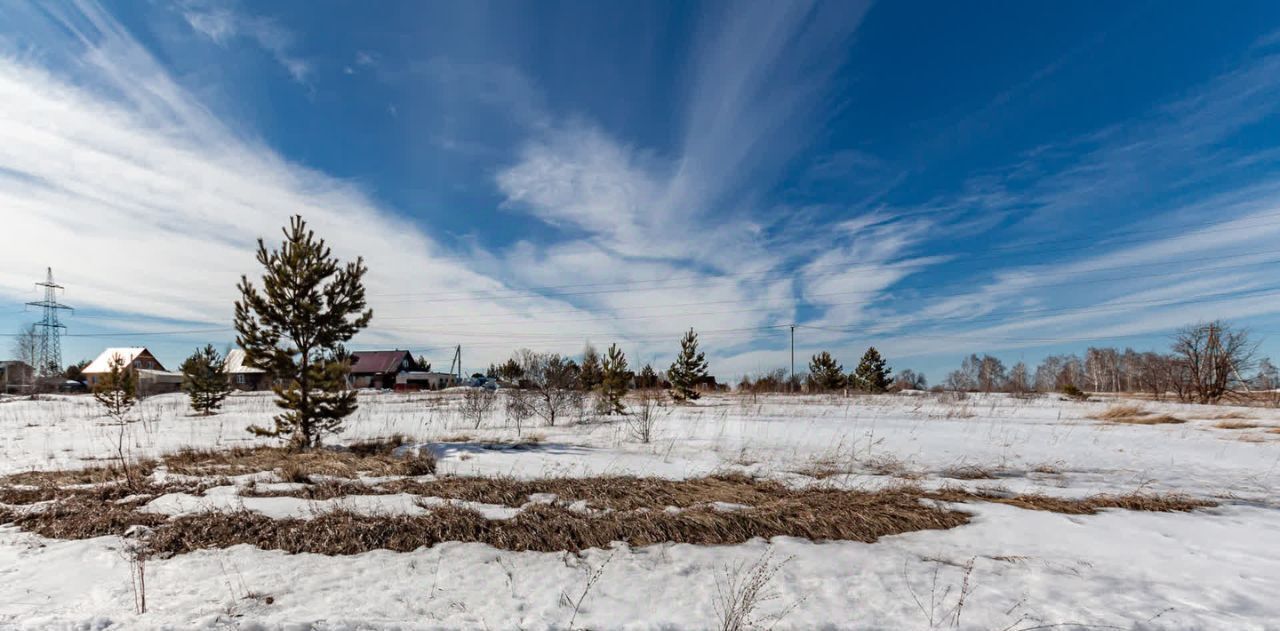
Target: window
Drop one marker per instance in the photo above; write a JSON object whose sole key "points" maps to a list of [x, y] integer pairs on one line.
{"points": [[240, 378]]}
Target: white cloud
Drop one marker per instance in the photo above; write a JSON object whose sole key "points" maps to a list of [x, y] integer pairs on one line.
{"points": [[222, 25], [151, 206]]}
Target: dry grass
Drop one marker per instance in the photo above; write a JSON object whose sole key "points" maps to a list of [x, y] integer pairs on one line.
{"points": [[1227, 416], [98, 474], [372, 458], [1122, 411], [816, 514], [1085, 506], [636, 514], [1129, 414], [1152, 419], [1236, 425], [969, 472]]}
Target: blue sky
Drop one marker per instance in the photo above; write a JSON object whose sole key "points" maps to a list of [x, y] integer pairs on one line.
{"points": [[931, 178]]}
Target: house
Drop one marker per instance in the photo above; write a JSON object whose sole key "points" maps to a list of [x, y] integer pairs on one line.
{"points": [[242, 375], [380, 369], [151, 374], [425, 380], [16, 376]]}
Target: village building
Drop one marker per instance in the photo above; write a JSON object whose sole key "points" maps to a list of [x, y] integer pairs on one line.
{"points": [[243, 376], [379, 369], [426, 380], [152, 378], [16, 376]]}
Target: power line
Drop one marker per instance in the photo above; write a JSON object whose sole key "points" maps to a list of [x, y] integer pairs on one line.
{"points": [[49, 362]]}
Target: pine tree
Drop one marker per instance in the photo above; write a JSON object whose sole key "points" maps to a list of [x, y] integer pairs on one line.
{"points": [[511, 371], [205, 380], [647, 378], [689, 369], [294, 329], [872, 374], [614, 378], [825, 373], [116, 391], [590, 373]]}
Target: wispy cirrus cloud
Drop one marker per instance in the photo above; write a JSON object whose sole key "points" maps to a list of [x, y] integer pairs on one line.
{"points": [[223, 24]]}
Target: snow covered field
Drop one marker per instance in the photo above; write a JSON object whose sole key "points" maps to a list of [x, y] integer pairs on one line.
{"points": [[1215, 568]]}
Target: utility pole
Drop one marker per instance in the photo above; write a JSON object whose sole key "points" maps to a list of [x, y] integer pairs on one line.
{"points": [[455, 365], [50, 362], [793, 358]]}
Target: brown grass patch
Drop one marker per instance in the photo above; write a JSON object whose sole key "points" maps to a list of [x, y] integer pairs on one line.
{"points": [[370, 457], [969, 472], [1154, 419], [638, 517], [1236, 425], [1233, 415], [637, 514], [96, 474], [1123, 411], [850, 516], [1085, 506]]}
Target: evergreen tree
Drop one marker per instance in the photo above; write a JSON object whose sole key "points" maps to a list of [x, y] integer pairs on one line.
{"points": [[825, 373], [689, 369], [205, 380], [423, 364], [614, 378], [511, 371], [647, 378], [116, 390], [294, 329], [590, 373], [75, 372], [872, 375]]}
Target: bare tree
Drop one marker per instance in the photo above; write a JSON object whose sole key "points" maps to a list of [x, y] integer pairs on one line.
{"points": [[476, 404], [1213, 358], [26, 349], [518, 405], [1019, 381], [650, 406], [554, 383]]}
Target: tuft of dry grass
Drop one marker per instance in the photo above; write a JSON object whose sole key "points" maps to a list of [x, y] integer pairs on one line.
{"points": [[1122, 411], [1128, 414], [371, 457], [97, 474], [1086, 506], [1236, 425], [969, 472], [1154, 419], [1232, 415]]}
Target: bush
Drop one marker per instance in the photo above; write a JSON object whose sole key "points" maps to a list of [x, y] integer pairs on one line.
{"points": [[1076, 394]]}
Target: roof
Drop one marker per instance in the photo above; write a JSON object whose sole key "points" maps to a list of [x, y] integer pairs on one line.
{"points": [[160, 376], [103, 362], [236, 364], [372, 362]]}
